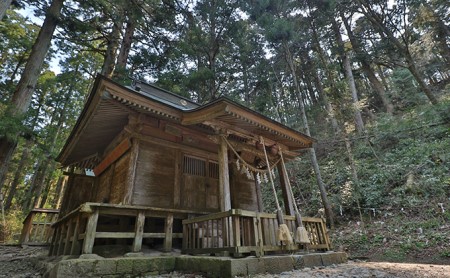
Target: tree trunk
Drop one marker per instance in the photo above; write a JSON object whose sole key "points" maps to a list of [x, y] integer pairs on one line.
{"points": [[312, 152], [58, 190], [125, 48], [4, 6], [402, 49], [26, 203], [19, 174], [48, 163], [7, 148], [60, 193], [367, 69], [22, 96], [359, 124], [441, 30], [357, 192], [48, 187], [111, 49], [419, 78]]}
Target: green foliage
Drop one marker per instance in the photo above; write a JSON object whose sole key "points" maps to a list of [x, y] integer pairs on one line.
{"points": [[11, 231], [10, 124]]}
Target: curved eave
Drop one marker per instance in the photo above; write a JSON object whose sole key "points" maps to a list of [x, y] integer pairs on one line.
{"points": [[236, 115]]}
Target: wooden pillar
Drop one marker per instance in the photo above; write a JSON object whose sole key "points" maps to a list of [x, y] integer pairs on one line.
{"points": [[259, 196], [89, 237], [177, 179], [131, 171], [287, 196], [224, 177], [139, 232], [168, 230], [75, 248]]}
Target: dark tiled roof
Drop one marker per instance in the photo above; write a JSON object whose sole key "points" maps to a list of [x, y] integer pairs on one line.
{"points": [[163, 96]]}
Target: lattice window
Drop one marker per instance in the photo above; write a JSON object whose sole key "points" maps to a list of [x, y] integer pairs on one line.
{"points": [[197, 167], [213, 170], [194, 166]]}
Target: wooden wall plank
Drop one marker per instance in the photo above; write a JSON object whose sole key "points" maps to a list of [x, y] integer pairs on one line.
{"points": [[155, 176], [119, 179]]}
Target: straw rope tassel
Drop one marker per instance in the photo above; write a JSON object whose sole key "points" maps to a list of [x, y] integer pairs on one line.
{"points": [[283, 233], [301, 234]]}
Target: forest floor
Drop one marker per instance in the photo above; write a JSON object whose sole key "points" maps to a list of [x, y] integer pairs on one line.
{"points": [[396, 239], [16, 261]]}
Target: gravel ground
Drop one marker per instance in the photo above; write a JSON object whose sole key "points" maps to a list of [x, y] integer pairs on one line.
{"points": [[20, 262]]}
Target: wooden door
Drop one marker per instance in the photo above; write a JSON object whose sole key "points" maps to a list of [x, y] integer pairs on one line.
{"points": [[199, 184]]}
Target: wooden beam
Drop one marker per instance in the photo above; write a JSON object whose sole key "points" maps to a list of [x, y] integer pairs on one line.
{"points": [[178, 146], [224, 177], [275, 127], [250, 148], [115, 154]]}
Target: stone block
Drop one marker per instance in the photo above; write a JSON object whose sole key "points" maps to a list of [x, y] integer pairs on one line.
{"points": [[141, 266], [75, 268], [211, 267], [105, 267], [247, 267], [307, 260], [278, 264], [124, 266], [162, 264], [330, 258]]}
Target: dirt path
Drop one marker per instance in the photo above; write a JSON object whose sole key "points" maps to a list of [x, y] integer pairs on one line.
{"points": [[18, 262], [369, 269]]}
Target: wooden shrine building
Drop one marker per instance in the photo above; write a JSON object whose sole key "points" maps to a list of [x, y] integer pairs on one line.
{"points": [[149, 168]]}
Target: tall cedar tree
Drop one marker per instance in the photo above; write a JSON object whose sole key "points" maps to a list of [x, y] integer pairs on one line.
{"points": [[22, 96]]}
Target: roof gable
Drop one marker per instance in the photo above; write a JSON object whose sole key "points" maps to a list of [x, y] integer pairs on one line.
{"points": [[107, 111]]}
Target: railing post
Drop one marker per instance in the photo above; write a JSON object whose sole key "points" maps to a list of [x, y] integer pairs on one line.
{"points": [[236, 231], [89, 237], [168, 230], [25, 235], [75, 248], [53, 243], [67, 244], [139, 231], [257, 226]]}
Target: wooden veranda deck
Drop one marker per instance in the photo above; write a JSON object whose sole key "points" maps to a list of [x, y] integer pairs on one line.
{"points": [[235, 231]]}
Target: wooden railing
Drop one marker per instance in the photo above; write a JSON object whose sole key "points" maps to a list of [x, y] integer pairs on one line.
{"points": [[37, 226], [77, 231], [241, 232]]}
